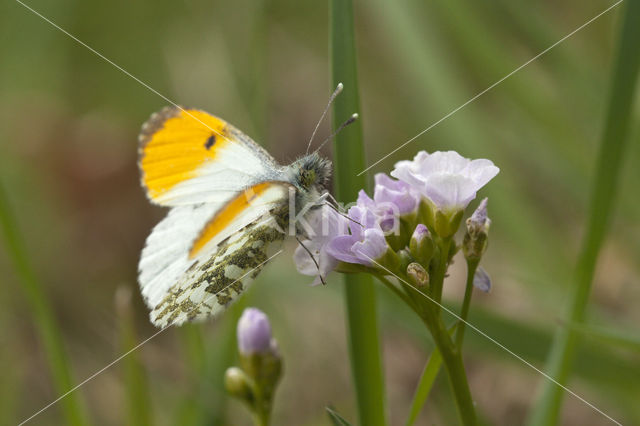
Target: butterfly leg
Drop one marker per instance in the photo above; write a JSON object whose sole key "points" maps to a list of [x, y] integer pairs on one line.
{"points": [[312, 258]]}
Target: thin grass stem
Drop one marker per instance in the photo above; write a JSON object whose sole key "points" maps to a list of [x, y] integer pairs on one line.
{"points": [[617, 123], [427, 379], [364, 341], [44, 319]]}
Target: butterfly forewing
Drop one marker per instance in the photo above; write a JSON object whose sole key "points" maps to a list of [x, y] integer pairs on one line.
{"points": [[188, 156]]}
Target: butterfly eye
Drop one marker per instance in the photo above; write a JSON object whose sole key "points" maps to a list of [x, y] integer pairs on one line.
{"points": [[307, 177]]}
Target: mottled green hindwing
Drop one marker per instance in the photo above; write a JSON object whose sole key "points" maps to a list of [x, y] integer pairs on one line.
{"points": [[210, 285]]}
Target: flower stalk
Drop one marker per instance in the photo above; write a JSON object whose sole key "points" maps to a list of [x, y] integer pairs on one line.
{"points": [[430, 314], [255, 381], [472, 266], [438, 279], [452, 358]]}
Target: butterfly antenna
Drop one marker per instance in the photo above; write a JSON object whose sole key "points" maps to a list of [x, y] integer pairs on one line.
{"points": [[351, 119], [324, 113]]}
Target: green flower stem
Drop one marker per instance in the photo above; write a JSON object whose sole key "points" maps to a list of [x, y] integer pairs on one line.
{"points": [[452, 358], [472, 265], [43, 317], [262, 413], [446, 351], [364, 341], [437, 281], [428, 309], [450, 354], [260, 419], [400, 293], [625, 75]]}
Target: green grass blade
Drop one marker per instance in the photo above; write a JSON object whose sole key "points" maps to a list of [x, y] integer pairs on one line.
{"points": [[336, 419], [424, 386], [11, 386], [349, 160], [617, 124], [608, 336], [190, 411], [43, 317], [208, 358], [136, 383]]}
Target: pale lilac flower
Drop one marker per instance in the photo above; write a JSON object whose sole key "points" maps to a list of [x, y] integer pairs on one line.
{"points": [[385, 215], [449, 180], [366, 241], [391, 199], [254, 332], [326, 224], [395, 192]]}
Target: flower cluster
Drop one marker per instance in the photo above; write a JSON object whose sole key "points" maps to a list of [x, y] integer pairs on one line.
{"points": [[405, 236], [397, 227]]}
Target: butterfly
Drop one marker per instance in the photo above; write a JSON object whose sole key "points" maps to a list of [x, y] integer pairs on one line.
{"points": [[231, 207]]}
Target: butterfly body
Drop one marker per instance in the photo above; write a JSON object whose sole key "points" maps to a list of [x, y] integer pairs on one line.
{"points": [[231, 205]]}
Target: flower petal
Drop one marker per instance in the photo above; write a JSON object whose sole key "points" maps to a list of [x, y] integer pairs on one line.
{"points": [[373, 247], [450, 191], [399, 193], [481, 171], [340, 248], [441, 162], [304, 263], [481, 280]]}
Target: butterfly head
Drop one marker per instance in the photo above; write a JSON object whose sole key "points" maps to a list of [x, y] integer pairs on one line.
{"points": [[311, 173]]}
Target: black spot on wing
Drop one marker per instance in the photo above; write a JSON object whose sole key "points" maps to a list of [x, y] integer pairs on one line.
{"points": [[210, 142]]}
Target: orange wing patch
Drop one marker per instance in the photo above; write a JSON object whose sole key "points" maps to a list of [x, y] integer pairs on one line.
{"points": [[226, 215], [175, 143]]}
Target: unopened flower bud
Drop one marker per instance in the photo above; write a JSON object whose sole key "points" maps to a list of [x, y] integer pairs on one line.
{"points": [[421, 245], [475, 240], [405, 259], [238, 384], [447, 222], [481, 280], [261, 364], [254, 332], [418, 275]]}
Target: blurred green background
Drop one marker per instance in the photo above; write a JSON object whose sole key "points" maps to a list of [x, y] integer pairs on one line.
{"points": [[68, 128]]}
